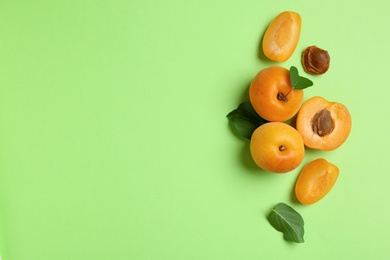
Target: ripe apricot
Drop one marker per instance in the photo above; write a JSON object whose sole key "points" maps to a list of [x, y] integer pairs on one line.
{"points": [[282, 35], [315, 181], [323, 125], [277, 147], [272, 95]]}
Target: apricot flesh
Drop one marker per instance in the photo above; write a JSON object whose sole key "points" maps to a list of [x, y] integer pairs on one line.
{"points": [[272, 95], [277, 147], [282, 36], [323, 125], [316, 179]]}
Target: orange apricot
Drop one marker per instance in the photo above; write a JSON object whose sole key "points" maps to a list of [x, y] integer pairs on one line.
{"points": [[282, 35], [315, 181], [272, 95], [323, 125], [277, 147]]}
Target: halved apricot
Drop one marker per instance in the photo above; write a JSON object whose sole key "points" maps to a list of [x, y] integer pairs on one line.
{"points": [[315, 181], [277, 147], [272, 95], [323, 125], [282, 35]]}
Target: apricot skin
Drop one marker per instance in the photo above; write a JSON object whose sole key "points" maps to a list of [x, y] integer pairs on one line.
{"points": [[316, 179], [277, 147], [263, 94], [322, 140], [282, 36]]}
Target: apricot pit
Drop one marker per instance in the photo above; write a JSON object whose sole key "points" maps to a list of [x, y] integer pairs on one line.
{"points": [[315, 60], [322, 123]]}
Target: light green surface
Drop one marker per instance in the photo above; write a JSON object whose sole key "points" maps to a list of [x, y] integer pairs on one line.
{"points": [[114, 142]]}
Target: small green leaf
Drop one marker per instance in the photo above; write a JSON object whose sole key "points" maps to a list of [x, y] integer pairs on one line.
{"points": [[294, 76], [298, 82], [285, 219], [245, 119]]}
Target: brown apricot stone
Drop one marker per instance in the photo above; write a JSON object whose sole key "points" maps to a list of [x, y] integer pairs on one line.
{"points": [[323, 125], [315, 60]]}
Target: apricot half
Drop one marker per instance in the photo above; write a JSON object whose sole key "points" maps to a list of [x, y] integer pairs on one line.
{"points": [[277, 147], [323, 125], [315, 181], [282, 35], [272, 95]]}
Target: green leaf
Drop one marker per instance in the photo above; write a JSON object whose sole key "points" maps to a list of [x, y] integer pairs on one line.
{"points": [[285, 219], [245, 119], [298, 82]]}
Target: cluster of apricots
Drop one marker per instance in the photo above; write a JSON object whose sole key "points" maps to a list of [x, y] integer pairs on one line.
{"points": [[277, 146]]}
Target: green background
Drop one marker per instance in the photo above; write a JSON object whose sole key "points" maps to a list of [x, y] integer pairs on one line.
{"points": [[114, 141]]}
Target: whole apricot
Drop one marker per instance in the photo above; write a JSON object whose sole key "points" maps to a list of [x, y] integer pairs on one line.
{"points": [[315, 181], [323, 125], [272, 95], [282, 36], [277, 147]]}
